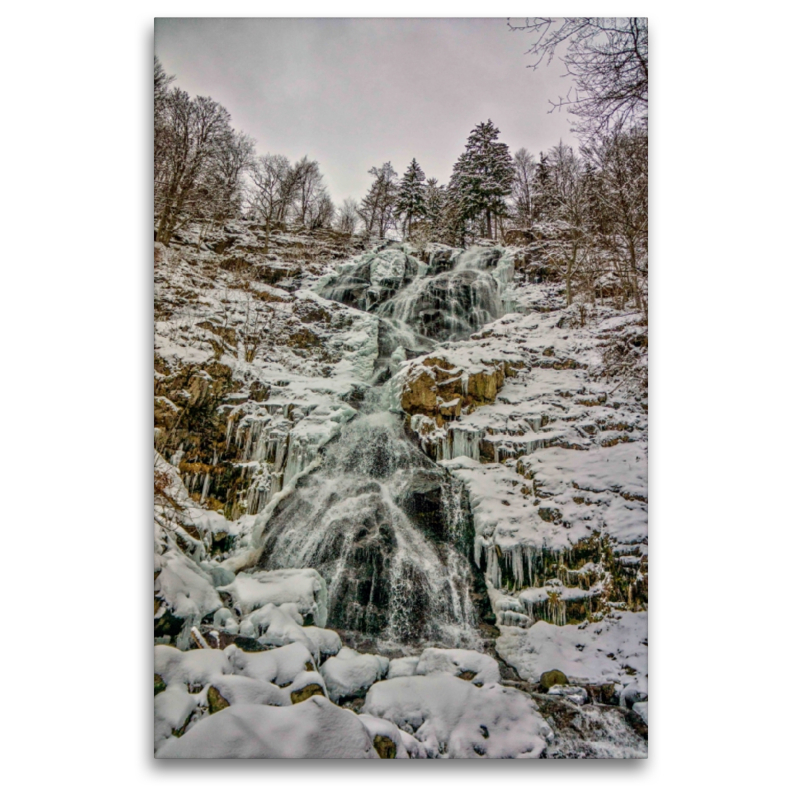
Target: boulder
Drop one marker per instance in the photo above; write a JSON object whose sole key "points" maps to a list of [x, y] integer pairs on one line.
{"points": [[552, 678]]}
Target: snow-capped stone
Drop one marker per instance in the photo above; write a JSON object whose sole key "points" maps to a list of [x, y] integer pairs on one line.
{"points": [[350, 674], [477, 668], [454, 719], [315, 728]]}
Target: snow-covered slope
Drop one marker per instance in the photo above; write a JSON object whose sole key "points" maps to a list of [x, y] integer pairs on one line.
{"points": [[424, 446]]}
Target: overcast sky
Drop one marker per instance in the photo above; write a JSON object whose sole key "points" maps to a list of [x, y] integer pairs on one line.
{"points": [[353, 93]]}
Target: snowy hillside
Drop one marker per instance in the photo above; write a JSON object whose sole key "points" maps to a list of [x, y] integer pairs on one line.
{"points": [[400, 503]]}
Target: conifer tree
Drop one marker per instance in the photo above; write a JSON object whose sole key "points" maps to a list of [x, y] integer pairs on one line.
{"points": [[435, 198], [411, 196], [483, 176]]}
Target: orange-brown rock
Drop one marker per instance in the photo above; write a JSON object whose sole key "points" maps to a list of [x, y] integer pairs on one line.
{"points": [[435, 388]]}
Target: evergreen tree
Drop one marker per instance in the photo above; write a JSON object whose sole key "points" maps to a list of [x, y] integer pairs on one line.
{"points": [[544, 202], [454, 217], [411, 195], [483, 176], [435, 199]]}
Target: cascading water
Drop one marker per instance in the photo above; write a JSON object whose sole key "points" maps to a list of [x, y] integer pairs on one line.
{"points": [[389, 529], [420, 304]]}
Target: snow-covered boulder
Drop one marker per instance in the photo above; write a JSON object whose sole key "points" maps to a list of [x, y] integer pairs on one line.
{"points": [[583, 652], [193, 668], [273, 626], [182, 588], [174, 709], [280, 666], [327, 642], [468, 665], [305, 685], [635, 692], [242, 690], [350, 674], [313, 729], [389, 741], [455, 719], [304, 587], [403, 667]]}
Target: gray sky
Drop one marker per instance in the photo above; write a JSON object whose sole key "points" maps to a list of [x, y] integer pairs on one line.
{"points": [[353, 93]]}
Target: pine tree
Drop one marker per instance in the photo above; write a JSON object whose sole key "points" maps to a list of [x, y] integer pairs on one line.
{"points": [[435, 198], [411, 196], [483, 176], [544, 202]]}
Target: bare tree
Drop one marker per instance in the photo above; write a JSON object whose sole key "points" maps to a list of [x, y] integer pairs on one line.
{"points": [[321, 210], [194, 132], [347, 216], [231, 162], [607, 57], [271, 191], [571, 209], [309, 186], [523, 188], [620, 160], [377, 208]]}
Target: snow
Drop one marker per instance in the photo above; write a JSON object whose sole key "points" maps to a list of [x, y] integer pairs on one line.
{"points": [[350, 673], [575, 694], [403, 667], [407, 746], [193, 668], [326, 642], [313, 729], [274, 627], [609, 651], [173, 707], [457, 662], [242, 690], [280, 666], [455, 719], [305, 587], [187, 589]]}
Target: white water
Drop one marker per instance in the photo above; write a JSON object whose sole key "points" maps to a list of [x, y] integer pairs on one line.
{"points": [[390, 575]]}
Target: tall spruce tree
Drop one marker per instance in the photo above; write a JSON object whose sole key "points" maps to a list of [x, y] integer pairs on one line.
{"points": [[435, 198], [483, 176], [411, 196]]}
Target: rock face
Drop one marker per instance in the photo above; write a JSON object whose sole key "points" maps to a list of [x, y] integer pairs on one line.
{"points": [[440, 390]]}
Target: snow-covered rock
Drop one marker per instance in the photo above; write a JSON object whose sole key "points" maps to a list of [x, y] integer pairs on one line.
{"points": [[280, 666], [350, 674], [609, 651], [303, 587], [315, 728], [465, 664], [455, 719]]}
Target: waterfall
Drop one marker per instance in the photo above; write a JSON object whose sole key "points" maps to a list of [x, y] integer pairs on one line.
{"points": [[389, 529], [422, 304]]}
